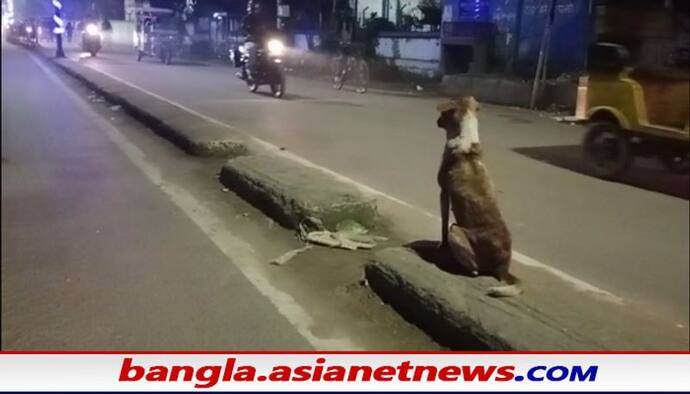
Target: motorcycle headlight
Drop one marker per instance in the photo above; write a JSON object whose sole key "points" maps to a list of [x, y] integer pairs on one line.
{"points": [[29, 29], [275, 47], [92, 30]]}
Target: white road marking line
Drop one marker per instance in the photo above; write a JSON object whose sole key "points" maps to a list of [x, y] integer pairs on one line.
{"points": [[521, 258], [239, 252], [270, 100]]}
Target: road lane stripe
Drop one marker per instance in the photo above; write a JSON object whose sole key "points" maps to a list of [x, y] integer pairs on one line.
{"points": [[239, 252], [521, 258]]}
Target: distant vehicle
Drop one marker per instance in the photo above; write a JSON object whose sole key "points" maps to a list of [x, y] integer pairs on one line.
{"points": [[267, 69], [633, 113], [91, 39], [23, 33], [157, 34]]}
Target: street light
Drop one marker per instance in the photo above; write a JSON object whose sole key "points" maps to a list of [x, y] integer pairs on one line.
{"points": [[59, 28]]}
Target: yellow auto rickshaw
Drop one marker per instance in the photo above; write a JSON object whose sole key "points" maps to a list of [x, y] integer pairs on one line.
{"points": [[632, 113]]}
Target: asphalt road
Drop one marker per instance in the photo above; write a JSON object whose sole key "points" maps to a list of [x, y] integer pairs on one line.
{"points": [[628, 238], [94, 254]]}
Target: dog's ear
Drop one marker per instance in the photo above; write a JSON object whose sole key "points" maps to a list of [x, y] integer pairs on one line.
{"points": [[447, 106], [474, 104], [463, 104]]}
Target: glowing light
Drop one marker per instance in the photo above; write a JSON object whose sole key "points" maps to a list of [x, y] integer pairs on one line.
{"points": [[29, 29], [6, 20], [92, 29], [276, 47]]}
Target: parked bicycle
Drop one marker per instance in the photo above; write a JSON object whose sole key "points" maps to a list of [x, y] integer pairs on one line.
{"points": [[349, 65]]}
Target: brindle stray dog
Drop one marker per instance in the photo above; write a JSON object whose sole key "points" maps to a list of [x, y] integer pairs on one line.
{"points": [[479, 239]]}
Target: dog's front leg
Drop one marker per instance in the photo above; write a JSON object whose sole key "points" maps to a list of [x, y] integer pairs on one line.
{"points": [[442, 178], [445, 212]]}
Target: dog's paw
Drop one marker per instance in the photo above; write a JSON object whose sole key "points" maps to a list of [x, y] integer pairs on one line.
{"points": [[504, 291]]}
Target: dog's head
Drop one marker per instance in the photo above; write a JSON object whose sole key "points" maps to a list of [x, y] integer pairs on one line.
{"points": [[453, 111]]}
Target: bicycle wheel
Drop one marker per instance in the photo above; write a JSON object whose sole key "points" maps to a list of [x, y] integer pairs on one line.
{"points": [[361, 73], [337, 73]]}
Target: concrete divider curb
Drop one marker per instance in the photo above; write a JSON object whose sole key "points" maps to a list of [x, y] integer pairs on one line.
{"points": [[189, 132], [456, 311], [286, 190], [291, 192]]}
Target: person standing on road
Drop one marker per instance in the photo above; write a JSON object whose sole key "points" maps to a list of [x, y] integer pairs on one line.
{"points": [[69, 29], [106, 31]]}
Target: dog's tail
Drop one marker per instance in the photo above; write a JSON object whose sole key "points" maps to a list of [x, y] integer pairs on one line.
{"points": [[512, 288]]}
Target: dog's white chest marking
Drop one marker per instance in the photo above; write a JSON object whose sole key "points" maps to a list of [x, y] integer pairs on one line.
{"points": [[469, 134]]}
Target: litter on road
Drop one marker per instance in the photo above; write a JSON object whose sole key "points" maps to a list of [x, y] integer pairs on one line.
{"points": [[285, 257]]}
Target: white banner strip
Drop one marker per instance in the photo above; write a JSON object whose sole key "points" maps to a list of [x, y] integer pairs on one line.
{"points": [[345, 372]]}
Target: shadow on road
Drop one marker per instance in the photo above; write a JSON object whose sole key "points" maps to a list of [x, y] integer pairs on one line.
{"points": [[644, 174], [264, 91], [430, 252], [187, 63], [336, 103], [296, 97], [515, 118]]}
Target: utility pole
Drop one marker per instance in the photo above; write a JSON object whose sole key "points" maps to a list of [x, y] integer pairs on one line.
{"points": [[543, 49], [355, 26], [282, 14], [59, 28], [517, 32]]}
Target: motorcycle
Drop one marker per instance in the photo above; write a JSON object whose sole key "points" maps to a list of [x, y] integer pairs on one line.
{"points": [[91, 39], [267, 67], [31, 36]]}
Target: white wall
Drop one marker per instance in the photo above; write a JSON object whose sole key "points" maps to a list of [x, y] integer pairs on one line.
{"points": [[377, 6], [417, 55], [374, 6], [413, 48], [122, 34], [301, 41]]}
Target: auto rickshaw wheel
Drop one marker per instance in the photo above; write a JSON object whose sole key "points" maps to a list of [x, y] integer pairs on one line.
{"points": [[676, 161], [607, 150]]}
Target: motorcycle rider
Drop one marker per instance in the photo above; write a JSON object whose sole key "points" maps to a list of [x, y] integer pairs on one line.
{"points": [[256, 25]]}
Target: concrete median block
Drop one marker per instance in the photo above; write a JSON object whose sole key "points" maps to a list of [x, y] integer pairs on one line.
{"points": [[186, 130], [455, 310], [290, 192]]}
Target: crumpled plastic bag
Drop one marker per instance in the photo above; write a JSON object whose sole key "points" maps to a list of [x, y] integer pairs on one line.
{"points": [[349, 235]]}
